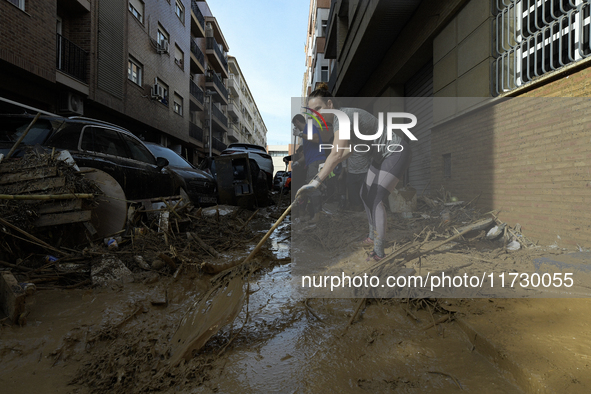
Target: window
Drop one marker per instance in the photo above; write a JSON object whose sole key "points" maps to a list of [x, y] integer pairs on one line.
{"points": [[136, 7], [134, 71], [162, 36], [178, 104], [164, 99], [324, 74], [67, 138], [447, 165], [179, 10], [100, 140], [179, 57], [19, 3], [323, 27], [137, 150], [537, 37]]}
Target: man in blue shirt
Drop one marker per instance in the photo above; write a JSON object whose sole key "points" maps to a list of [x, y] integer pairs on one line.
{"points": [[311, 160]]}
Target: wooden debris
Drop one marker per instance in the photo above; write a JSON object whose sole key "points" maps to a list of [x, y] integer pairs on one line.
{"points": [[439, 244], [61, 182], [54, 219], [44, 244], [205, 246], [249, 219]]}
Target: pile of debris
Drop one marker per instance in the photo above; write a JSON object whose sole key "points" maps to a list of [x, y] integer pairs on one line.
{"points": [[439, 217], [44, 189]]}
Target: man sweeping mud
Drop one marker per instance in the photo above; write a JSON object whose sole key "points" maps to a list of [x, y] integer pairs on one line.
{"points": [[387, 165]]}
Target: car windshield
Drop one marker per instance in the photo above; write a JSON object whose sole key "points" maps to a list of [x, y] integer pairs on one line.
{"points": [[173, 158], [11, 129]]}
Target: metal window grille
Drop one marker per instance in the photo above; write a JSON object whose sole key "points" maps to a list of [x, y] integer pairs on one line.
{"points": [[535, 37]]}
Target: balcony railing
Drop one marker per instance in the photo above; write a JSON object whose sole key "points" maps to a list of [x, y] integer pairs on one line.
{"points": [[198, 13], [219, 115], [197, 52], [212, 77], [218, 145], [196, 91], [71, 59], [195, 131], [213, 44]]}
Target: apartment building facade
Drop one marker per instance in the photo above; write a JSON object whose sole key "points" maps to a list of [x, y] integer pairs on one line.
{"points": [[151, 66], [317, 66], [277, 153], [246, 123], [479, 75]]}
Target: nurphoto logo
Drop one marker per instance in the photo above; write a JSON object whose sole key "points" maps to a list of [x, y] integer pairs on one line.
{"points": [[392, 123]]}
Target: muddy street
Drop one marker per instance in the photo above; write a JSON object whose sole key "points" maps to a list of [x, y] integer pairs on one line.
{"points": [[121, 337]]}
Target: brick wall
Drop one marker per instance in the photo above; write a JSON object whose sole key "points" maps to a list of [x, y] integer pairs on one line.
{"points": [[27, 39], [137, 105], [529, 156]]}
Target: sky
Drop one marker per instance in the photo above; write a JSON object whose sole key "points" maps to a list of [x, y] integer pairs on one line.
{"points": [[268, 37]]}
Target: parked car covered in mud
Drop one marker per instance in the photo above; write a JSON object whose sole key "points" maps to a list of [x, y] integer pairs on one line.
{"points": [[239, 179], [97, 145], [199, 185], [258, 154]]}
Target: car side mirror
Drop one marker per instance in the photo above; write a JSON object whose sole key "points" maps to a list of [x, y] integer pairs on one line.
{"points": [[161, 162]]}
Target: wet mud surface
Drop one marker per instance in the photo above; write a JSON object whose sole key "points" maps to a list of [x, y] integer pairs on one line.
{"points": [[119, 339]]}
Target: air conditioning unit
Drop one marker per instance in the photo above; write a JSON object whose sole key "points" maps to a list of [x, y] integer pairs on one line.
{"points": [[162, 46], [157, 92], [71, 103]]}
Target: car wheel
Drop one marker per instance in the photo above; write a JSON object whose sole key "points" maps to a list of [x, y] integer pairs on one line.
{"points": [[109, 215]]}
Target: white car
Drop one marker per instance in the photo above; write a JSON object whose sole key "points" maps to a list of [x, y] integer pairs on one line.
{"points": [[258, 154]]}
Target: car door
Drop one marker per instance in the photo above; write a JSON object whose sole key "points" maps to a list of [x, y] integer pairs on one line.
{"points": [[142, 173], [101, 148]]}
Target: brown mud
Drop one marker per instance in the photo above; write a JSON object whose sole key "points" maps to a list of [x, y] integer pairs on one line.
{"points": [[118, 339]]}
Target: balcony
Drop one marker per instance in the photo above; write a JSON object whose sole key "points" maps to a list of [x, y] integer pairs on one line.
{"points": [[234, 85], [197, 59], [197, 21], [195, 132], [218, 116], [216, 57], [71, 59], [197, 96], [213, 82], [218, 145], [232, 134], [234, 109], [319, 44], [217, 32]]}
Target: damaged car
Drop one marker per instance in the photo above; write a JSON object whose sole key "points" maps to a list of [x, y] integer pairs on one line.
{"points": [[199, 185], [96, 145]]}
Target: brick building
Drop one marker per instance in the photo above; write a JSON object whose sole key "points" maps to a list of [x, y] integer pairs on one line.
{"points": [[148, 65], [317, 67], [497, 88]]}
